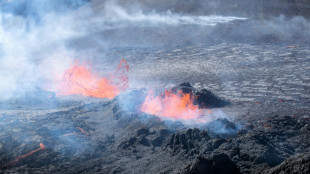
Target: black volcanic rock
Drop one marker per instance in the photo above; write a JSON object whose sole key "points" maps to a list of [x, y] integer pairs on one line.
{"points": [[294, 165], [145, 137], [123, 141], [218, 164], [258, 148], [186, 142], [126, 144], [185, 87], [206, 99], [200, 166], [203, 98], [252, 152], [221, 128]]}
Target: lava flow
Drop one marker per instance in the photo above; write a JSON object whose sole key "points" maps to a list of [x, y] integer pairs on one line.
{"points": [[42, 147], [80, 80], [170, 105]]}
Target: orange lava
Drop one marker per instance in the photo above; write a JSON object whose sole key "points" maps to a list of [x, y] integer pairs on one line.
{"points": [[169, 105], [80, 80], [84, 132], [42, 147]]}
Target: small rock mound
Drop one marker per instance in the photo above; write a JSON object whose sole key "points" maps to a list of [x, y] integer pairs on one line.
{"points": [[298, 164], [203, 98], [221, 128], [185, 142]]}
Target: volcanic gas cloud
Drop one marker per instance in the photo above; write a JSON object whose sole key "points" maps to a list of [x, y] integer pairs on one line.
{"points": [[79, 79]]}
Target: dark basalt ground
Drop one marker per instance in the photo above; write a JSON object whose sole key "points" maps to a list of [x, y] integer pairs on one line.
{"points": [[265, 128], [298, 164], [124, 141]]}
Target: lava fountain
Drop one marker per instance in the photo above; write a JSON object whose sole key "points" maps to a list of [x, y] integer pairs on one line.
{"points": [[169, 105], [79, 79]]}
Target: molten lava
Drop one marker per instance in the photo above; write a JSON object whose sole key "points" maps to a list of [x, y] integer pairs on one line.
{"points": [[80, 80], [170, 105], [42, 147]]}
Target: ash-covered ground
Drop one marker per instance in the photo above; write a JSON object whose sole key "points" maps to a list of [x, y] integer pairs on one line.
{"points": [[266, 122], [250, 74]]}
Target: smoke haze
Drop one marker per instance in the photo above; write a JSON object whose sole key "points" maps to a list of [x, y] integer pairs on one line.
{"points": [[40, 39]]}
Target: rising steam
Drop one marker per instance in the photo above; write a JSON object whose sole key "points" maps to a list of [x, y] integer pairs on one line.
{"points": [[116, 14], [32, 50], [39, 38]]}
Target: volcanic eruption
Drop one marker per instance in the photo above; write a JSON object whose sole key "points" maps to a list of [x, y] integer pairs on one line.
{"points": [[144, 86], [179, 106], [78, 79]]}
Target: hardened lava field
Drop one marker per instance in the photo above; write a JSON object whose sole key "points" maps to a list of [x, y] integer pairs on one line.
{"points": [[169, 87]]}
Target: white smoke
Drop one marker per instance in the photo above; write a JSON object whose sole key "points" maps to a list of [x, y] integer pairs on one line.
{"points": [[33, 49], [29, 52], [116, 14]]}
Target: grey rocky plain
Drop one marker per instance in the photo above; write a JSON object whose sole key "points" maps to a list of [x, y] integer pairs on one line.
{"points": [[266, 124], [252, 74]]}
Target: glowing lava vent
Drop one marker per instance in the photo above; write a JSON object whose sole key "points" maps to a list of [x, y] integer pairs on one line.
{"points": [[78, 79], [177, 106]]}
